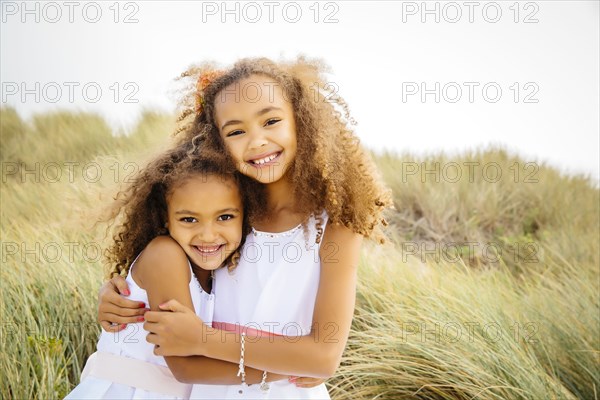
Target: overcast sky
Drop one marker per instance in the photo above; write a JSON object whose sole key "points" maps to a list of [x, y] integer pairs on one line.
{"points": [[418, 76]]}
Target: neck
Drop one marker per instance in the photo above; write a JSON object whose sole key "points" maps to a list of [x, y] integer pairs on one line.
{"points": [[204, 278], [280, 195]]}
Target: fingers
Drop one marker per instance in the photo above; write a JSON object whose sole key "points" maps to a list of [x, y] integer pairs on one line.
{"points": [[108, 327], [152, 339], [156, 317], [151, 327], [114, 298], [305, 382], [173, 305], [109, 293], [114, 311], [118, 319], [121, 285], [114, 319], [108, 308]]}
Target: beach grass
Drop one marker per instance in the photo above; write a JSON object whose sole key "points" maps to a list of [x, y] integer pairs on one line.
{"points": [[488, 287]]}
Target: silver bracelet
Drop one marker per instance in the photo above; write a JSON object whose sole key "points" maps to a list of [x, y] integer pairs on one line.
{"points": [[264, 386], [242, 371]]}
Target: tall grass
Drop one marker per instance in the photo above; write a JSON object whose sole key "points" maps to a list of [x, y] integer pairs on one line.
{"points": [[508, 309], [57, 171]]}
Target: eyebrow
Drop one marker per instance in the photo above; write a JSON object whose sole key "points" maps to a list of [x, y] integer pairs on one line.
{"points": [[258, 114], [188, 212]]}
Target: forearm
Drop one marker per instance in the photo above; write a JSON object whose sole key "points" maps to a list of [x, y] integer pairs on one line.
{"points": [[208, 371], [316, 355]]}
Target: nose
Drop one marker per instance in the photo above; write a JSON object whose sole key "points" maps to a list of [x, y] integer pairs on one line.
{"points": [[206, 233], [257, 139]]}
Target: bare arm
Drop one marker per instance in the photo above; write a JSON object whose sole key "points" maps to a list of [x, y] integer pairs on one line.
{"points": [[208, 371], [163, 271], [314, 355]]}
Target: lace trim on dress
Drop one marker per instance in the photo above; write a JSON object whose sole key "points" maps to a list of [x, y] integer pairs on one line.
{"points": [[276, 234]]}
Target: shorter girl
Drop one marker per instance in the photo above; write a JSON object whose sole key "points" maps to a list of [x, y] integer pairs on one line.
{"points": [[179, 220]]}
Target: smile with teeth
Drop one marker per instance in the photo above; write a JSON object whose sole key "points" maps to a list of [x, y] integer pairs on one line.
{"points": [[209, 250], [265, 160]]}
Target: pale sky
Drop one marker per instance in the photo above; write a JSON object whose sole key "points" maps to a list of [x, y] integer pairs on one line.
{"points": [[521, 74]]}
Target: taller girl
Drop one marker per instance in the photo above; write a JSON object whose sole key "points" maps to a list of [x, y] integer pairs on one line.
{"points": [[289, 133]]}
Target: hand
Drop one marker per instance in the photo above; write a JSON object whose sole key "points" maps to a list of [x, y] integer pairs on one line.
{"points": [[114, 311], [305, 382], [175, 333]]}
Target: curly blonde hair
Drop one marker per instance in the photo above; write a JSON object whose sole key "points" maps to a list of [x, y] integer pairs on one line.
{"points": [[331, 171], [140, 210]]}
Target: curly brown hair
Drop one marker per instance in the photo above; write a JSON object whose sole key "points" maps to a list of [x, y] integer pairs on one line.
{"points": [[140, 210], [331, 171]]}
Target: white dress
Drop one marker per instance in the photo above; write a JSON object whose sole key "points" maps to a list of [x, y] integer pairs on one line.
{"points": [[131, 343], [272, 290]]}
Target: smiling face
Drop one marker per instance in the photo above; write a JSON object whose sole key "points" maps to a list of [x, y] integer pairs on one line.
{"points": [[205, 217], [258, 128]]}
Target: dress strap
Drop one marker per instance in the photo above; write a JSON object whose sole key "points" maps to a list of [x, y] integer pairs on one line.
{"points": [[133, 263]]}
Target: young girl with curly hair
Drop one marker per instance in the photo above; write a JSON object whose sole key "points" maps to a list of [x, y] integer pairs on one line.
{"points": [[181, 219], [288, 306]]}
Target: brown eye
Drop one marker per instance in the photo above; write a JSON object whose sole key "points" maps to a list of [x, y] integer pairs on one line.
{"points": [[234, 133]]}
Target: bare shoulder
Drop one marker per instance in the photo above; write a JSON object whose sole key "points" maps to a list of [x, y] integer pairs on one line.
{"points": [[162, 257], [338, 233], [164, 246], [340, 245]]}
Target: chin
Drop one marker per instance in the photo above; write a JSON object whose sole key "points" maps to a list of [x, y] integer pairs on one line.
{"points": [[266, 179]]}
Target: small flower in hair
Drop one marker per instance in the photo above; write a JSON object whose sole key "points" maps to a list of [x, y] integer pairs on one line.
{"points": [[204, 80]]}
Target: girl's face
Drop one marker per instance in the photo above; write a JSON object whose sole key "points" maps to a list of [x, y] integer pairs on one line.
{"points": [[205, 217], [257, 125]]}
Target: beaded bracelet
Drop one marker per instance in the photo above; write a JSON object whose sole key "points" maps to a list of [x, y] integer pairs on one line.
{"points": [[242, 371], [264, 386]]}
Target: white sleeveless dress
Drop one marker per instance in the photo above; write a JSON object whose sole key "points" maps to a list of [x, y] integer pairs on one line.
{"points": [[131, 343], [273, 290]]}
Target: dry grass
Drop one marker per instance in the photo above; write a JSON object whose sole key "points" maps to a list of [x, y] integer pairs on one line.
{"points": [[520, 320]]}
